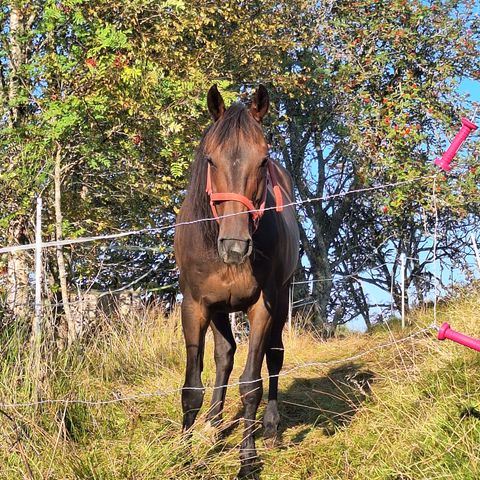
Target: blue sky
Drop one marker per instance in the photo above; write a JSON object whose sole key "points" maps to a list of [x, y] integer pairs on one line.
{"points": [[472, 87]]}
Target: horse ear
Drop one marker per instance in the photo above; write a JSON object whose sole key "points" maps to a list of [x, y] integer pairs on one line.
{"points": [[216, 107], [260, 103]]}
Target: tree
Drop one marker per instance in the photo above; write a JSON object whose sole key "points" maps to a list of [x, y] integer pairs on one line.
{"points": [[112, 116], [103, 104], [371, 99]]}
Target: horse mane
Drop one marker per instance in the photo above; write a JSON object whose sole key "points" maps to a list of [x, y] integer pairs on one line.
{"points": [[235, 124]]}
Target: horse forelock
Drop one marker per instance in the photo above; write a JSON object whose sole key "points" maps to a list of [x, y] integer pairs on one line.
{"points": [[234, 127]]}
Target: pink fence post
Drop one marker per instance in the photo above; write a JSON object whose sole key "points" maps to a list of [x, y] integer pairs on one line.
{"points": [[446, 332], [467, 128]]}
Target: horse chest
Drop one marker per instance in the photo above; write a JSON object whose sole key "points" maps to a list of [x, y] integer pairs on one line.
{"points": [[231, 288]]}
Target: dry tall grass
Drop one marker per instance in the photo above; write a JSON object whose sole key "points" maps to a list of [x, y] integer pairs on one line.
{"points": [[407, 411]]}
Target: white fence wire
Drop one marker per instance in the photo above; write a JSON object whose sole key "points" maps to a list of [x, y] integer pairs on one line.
{"points": [[152, 231], [162, 393], [157, 393]]}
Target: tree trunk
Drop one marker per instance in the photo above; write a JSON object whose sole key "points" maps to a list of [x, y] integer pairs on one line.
{"points": [[18, 262], [62, 272], [16, 61], [18, 296], [322, 287]]}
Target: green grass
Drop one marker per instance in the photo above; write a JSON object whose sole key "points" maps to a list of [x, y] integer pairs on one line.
{"points": [[407, 411]]}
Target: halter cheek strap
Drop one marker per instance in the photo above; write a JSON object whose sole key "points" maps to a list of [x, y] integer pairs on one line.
{"points": [[277, 192], [256, 213]]}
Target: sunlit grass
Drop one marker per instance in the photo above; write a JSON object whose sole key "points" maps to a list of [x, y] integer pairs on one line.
{"points": [[407, 411]]}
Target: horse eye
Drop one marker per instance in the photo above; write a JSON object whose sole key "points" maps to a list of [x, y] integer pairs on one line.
{"points": [[264, 162], [210, 161]]}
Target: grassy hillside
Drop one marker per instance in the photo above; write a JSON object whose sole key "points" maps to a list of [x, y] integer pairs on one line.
{"points": [[410, 410]]}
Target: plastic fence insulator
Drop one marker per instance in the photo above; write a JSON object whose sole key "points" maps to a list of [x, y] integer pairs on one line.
{"points": [[446, 332], [467, 128]]}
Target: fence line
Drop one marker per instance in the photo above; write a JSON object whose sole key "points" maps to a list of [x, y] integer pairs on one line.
{"points": [[117, 399], [331, 279], [306, 301], [48, 306], [154, 230], [162, 393], [337, 278], [39, 245]]}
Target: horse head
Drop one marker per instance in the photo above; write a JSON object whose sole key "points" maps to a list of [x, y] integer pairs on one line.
{"points": [[238, 167]]}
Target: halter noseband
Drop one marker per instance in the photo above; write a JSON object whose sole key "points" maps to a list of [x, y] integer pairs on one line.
{"points": [[256, 213]]}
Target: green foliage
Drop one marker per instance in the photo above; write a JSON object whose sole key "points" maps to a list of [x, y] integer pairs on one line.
{"points": [[371, 100]]}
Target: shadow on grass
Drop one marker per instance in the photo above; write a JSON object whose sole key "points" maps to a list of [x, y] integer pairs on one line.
{"points": [[328, 402]]}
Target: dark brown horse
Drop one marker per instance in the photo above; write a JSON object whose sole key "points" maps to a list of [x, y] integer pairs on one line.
{"points": [[237, 261]]}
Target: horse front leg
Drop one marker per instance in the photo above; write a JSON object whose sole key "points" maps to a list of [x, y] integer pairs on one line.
{"points": [[194, 322], [251, 388], [224, 353]]}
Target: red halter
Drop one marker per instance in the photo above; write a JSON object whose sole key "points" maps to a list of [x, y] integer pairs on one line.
{"points": [[256, 213]]}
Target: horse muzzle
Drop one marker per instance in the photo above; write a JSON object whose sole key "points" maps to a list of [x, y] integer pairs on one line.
{"points": [[233, 251]]}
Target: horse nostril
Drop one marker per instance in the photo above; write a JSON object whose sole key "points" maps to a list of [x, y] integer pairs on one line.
{"points": [[234, 251], [239, 247]]}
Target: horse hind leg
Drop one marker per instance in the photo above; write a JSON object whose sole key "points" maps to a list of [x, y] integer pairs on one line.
{"points": [[224, 355], [194, 322], [275, 356]]}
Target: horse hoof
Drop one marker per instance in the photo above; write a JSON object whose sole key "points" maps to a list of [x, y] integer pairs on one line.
{"points": [[248, 472], [271, 420], [270, 431]]}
